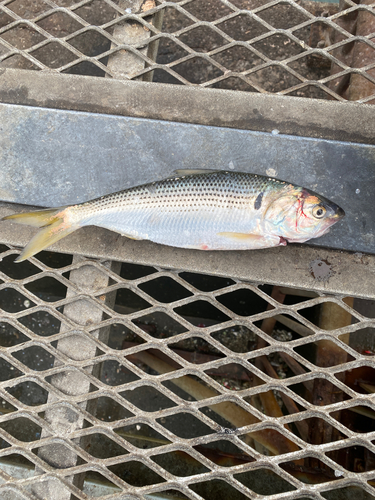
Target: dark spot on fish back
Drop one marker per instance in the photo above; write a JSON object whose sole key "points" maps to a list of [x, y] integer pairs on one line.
{"points": [[258, 201]]}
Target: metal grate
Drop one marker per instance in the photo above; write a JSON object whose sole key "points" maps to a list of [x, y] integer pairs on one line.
{"points": [[131, 381], [294, 48], [169, 384]]}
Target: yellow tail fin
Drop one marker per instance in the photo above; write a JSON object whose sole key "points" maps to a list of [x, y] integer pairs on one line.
{"points": [[54, 226]]}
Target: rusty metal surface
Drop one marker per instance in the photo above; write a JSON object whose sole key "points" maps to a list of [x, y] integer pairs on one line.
{"points": [[150, 386]]}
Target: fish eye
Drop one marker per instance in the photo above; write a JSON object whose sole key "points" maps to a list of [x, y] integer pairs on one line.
{"points": [[319, 211]]}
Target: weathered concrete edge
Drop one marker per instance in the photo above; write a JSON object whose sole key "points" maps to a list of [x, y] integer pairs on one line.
{"points": [[343, 121]]}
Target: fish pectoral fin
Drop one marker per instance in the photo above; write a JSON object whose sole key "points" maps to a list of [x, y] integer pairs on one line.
{"points": [[256, 240], [241, 236]]}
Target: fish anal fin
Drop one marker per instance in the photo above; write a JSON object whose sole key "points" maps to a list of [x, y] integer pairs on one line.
{"points": [[132, 237]]}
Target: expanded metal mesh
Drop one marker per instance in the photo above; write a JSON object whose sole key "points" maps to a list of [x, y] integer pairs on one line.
{"points": [[126, 381], [169, 384], [287, 47]]}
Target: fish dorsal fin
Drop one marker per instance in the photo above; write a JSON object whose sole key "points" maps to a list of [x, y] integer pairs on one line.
{"points": [[194, 171]]}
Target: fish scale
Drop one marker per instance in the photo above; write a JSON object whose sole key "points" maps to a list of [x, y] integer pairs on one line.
{"points": [[218, 189], [207, 210]]}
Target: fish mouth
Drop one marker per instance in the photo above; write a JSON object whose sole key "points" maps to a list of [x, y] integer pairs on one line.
{"points": [[334, 212], [339, 213]]}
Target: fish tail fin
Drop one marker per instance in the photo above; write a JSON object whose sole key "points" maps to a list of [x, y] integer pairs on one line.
{"points": [[39, 218], [54, 224]]}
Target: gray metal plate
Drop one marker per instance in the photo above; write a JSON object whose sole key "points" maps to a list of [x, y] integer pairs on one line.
{"points": [[52, 157]]}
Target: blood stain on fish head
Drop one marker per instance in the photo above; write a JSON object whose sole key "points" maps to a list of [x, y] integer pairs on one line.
{"points": [[299, 215]]}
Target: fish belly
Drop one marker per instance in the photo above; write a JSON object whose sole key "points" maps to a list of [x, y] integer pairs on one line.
{"points": [[200, 229]]}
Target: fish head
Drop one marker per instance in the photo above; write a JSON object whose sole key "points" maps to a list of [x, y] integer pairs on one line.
{"points": [[299, 215]]}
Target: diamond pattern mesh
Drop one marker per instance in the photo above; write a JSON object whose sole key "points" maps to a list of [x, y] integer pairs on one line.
{"points": [[128, 381], [169, 384], [289, 47]]}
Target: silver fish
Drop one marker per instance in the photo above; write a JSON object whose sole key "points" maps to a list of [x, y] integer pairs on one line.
{"points": [[201, 209]]}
